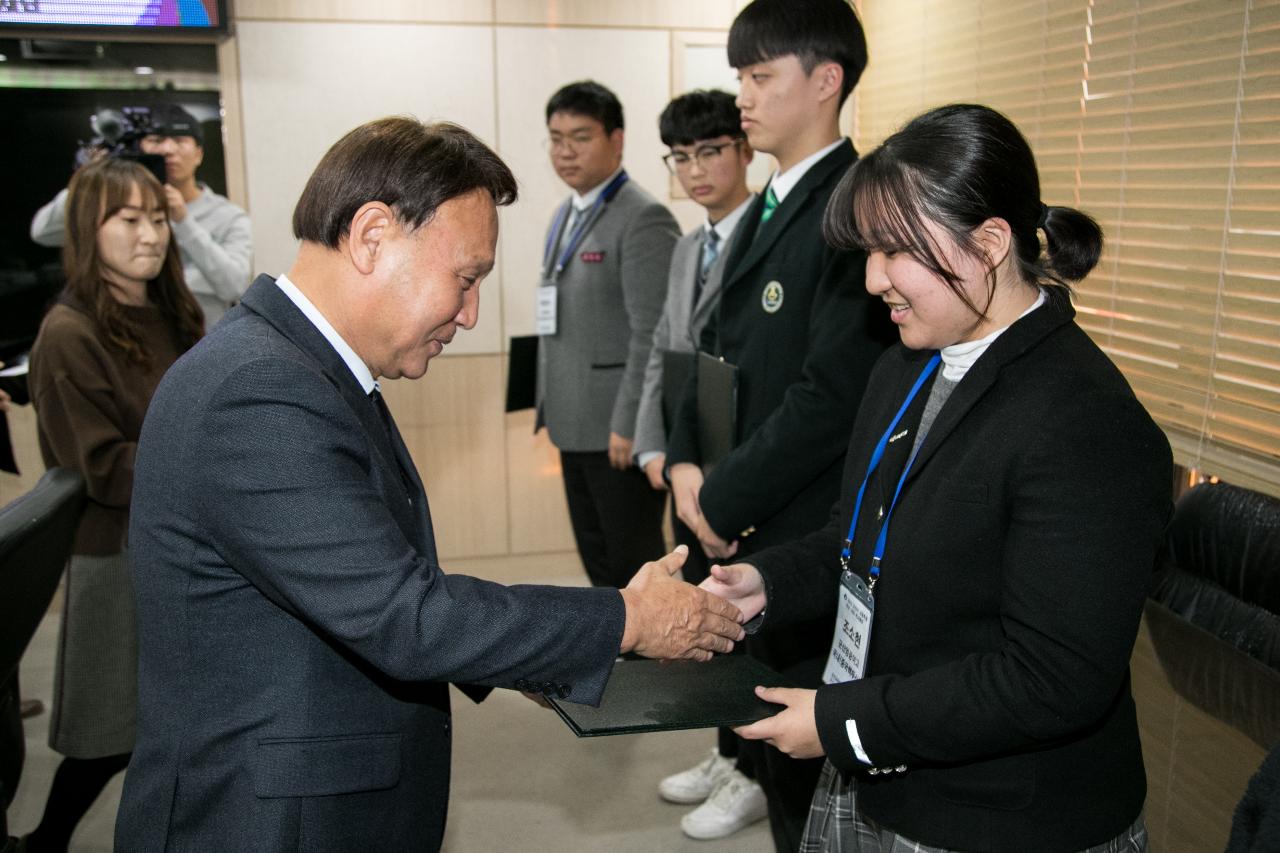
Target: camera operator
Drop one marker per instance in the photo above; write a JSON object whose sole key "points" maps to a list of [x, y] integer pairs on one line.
{"points": [[213, 234]]}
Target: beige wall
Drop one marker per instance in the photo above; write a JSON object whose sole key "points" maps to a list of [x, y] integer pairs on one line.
{"points": [[298, 75]]}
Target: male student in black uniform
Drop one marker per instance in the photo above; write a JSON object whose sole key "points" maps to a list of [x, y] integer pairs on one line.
{"points": [[797, 321]]}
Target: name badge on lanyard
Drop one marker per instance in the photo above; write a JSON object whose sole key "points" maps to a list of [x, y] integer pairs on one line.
{"points": [[847, 660], [544, 312]]}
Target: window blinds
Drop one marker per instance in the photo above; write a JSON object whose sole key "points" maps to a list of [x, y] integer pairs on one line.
{"points": [[1162, 120]]}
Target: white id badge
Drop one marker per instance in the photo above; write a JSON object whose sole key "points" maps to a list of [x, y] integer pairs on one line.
{"points": [[544, 313], [848, 658]]}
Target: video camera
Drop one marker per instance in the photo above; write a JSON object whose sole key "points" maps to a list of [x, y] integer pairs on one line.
{"points": [[119, 133]]}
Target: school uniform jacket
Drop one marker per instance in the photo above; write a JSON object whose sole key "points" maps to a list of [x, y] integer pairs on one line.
{"points": [[996, 705], [609, 298], [795, 317]]}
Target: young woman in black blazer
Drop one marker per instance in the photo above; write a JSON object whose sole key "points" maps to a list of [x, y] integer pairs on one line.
{"points": [[1010, 496]]}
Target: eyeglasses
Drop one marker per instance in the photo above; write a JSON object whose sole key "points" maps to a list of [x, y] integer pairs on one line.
{"points": [[574, 142], [678, 161]]}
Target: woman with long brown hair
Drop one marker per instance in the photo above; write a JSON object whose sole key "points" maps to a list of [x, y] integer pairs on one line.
{"points": [[123, 319]]}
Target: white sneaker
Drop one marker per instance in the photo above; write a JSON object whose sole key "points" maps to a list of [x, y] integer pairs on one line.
{"points": [[736, 803], [696, 784]]}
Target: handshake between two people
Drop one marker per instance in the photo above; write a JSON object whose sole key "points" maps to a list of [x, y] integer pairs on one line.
{"points": [[667, 618], [670, 619]]}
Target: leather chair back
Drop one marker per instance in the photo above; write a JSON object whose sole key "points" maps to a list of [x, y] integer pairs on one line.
{"points": [[36, 533]]}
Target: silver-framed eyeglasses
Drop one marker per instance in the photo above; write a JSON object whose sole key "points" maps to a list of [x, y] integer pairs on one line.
{"points": [[705, 155], [574, 142]]}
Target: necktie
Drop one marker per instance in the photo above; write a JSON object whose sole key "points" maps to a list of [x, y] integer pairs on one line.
{"points": [[710, 250], [385, 414], [770, 205], [569, 225]]}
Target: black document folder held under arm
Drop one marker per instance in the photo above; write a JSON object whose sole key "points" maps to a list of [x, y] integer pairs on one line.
{"points": [[657, 696], [717, 409], [522, 373]]}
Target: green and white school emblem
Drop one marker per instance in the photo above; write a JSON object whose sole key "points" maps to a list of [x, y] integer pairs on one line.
{"points": [[771, 298]]}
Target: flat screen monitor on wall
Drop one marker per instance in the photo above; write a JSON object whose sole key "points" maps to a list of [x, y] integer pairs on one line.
{"points": [[116, 17]]}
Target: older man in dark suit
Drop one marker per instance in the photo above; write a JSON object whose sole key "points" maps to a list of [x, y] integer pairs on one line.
{"points": [[296, 631]]}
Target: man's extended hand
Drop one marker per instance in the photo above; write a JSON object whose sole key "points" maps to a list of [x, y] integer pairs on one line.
{"points": [[619, 451], [793, 730], [740, 584], [667, 618]]}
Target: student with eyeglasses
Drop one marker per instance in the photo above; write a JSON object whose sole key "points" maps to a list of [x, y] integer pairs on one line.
{"points": [[709, 155], [600, 294]]}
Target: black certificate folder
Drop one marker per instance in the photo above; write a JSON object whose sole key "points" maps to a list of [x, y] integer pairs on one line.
{"points": [[652, 696], [717, 409]]}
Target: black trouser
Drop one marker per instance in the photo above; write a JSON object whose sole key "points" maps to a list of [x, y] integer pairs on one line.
{"points": [[616, 517], [76, 784]]}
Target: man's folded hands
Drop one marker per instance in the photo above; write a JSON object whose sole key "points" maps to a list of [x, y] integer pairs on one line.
{"points": [[670, 619]]}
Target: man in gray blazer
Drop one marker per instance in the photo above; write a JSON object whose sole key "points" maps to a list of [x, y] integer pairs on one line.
{"points": [[604, 276], [296, 632]]}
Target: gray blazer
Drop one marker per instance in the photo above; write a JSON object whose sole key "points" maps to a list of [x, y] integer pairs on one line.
{"points": [[609, 297], [679, 330], [296, 633]]}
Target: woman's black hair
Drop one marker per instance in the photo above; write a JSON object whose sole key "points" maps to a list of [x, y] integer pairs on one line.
{"points": [[958, 166]]}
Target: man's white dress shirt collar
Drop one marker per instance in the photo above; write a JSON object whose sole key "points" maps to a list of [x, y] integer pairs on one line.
{"points": [[784, 183], [585, 200], [354, 363], [724, 228]]}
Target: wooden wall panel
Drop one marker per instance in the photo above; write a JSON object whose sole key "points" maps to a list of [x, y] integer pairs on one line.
{"points": [[1197, 765], [451, 420], [535, 493], [714, 14], [409, 11], [22, 434]]}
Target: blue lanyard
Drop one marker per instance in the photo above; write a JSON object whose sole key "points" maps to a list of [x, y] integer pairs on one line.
{"points": [[606, 196], [876, 456]]}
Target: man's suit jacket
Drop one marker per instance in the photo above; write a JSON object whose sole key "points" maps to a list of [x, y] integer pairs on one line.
{"points": [[296, 631], [679, 330], [802, 367], [1018, 558], [609, 298]]}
